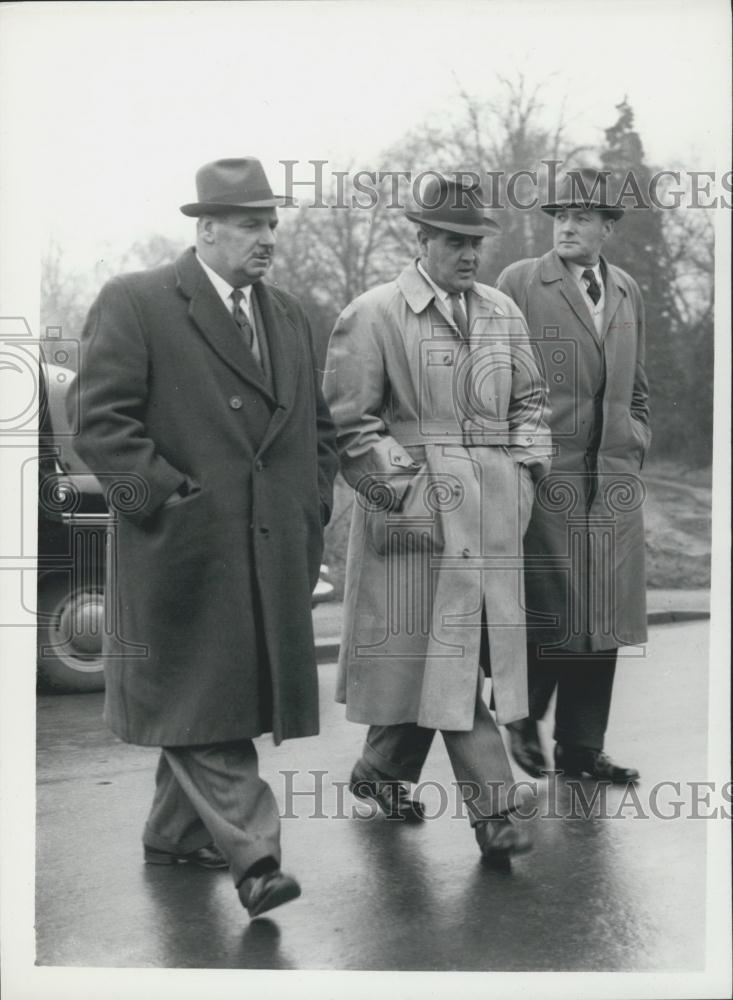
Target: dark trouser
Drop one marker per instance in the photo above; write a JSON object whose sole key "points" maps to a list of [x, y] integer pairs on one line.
{"points": [[478, 757], [584, 687], [214, 792]]}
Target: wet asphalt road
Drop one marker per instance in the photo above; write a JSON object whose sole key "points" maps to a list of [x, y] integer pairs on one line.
{"points": [[613, 892]]}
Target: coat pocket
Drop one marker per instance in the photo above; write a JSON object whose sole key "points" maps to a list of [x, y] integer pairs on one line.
{"points": [[176, 500], [417, 525]]}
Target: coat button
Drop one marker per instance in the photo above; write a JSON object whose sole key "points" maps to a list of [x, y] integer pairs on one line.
{"points": [[235, 402], [466, 553], [264, 531]]}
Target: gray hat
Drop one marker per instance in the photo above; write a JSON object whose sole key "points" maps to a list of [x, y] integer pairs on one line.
{"points": [[227, 184], [450, 205], [585, 188]]}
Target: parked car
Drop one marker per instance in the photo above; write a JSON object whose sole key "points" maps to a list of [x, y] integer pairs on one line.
{"points": [[72, 520], [72, 533]]}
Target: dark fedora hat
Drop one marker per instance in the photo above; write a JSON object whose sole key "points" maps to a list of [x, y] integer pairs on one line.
{"points": [[227, 184], [585, 188], [453, 205]]}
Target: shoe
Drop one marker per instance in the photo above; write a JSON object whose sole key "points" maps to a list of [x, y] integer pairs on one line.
{"points": [[578, 762], [204, 857], [264, 892], [391, 796], [524, 743], [501, 838]]}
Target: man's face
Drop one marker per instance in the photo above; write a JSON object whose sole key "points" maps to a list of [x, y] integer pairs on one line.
{"points": [[451, 260], [238, 245], [580, 233]]}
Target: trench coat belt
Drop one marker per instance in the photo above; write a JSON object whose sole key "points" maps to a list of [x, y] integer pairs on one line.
{"points": [[413, 433]]}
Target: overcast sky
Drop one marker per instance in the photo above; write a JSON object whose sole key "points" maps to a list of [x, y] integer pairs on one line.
{"points": [[122, 102]]}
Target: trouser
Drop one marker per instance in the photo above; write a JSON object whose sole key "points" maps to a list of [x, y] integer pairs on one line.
{"points": [[478, 758], [584, 687], [214, 792]]}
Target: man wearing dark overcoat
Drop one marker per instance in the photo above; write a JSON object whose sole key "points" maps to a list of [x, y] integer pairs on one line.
{"points": [[202, 414], [585, 584], [438, 407]]}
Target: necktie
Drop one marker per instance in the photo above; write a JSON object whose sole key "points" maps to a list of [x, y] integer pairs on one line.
{"points": [[240, 317], [594, 289], [459, 314]]}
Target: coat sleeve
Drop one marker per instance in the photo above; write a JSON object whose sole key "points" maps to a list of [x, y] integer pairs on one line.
{"points": [[529, 408], [328, 462], [113, 389], [356, 387]]}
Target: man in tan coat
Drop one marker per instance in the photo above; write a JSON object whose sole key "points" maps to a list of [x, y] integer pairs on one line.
{"points": [[439, 411], [586, 593]]}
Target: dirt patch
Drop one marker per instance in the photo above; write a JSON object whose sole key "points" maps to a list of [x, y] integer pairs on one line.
{"points": [[678, 526]]}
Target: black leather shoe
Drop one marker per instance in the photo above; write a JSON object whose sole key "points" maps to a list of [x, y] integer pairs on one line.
{"points": [[261, 893], [501, 838], [579, 762], [524, 743], [204, 857], [391, 796]]}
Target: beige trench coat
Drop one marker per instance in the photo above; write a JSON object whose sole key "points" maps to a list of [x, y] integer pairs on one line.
{"points": [[436, 436]]}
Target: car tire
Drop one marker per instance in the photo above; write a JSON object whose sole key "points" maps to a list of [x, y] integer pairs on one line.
{"points": [[69, 658]]}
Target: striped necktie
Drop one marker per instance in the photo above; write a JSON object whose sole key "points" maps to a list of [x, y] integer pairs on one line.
{"points": [[459, 314], [241, 318]]}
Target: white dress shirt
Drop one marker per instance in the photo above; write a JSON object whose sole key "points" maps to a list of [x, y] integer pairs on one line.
{"points": [[596, 309], [441, 292], [224, 291]]}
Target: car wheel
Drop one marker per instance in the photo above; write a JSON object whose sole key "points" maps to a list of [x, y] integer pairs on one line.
{"points": [[70, 627]]}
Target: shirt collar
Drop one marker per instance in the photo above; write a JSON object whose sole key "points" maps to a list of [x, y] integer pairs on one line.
{"points": [[440, 292], [577, 270], [223, 288]]}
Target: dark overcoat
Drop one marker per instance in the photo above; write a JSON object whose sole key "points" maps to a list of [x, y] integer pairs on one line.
{"points": [[585, 579], [210, 635]]}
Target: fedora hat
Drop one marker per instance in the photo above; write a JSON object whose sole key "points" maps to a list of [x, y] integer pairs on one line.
{"points": [[453, 206], [585, 188], [227, 184]]}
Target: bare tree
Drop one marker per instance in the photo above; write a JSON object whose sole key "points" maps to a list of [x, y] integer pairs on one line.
{"points": [[64, 297]]}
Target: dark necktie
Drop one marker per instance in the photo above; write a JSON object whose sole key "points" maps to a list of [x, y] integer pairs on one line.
{"points": [[594, 289], [459, 314], [240, 317]]}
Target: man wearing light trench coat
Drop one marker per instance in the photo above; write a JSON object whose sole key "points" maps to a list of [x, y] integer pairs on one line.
{"points": [[440, 416]]}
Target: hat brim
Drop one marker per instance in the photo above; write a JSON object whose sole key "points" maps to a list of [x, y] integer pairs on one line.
{"points": [[196, 208], [613, 211], [480, 229]]}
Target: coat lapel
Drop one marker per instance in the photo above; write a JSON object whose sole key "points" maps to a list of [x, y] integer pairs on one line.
{"points": [[614, 295], [553, 270], [210, 317], [282, 341], [481, 308]]}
